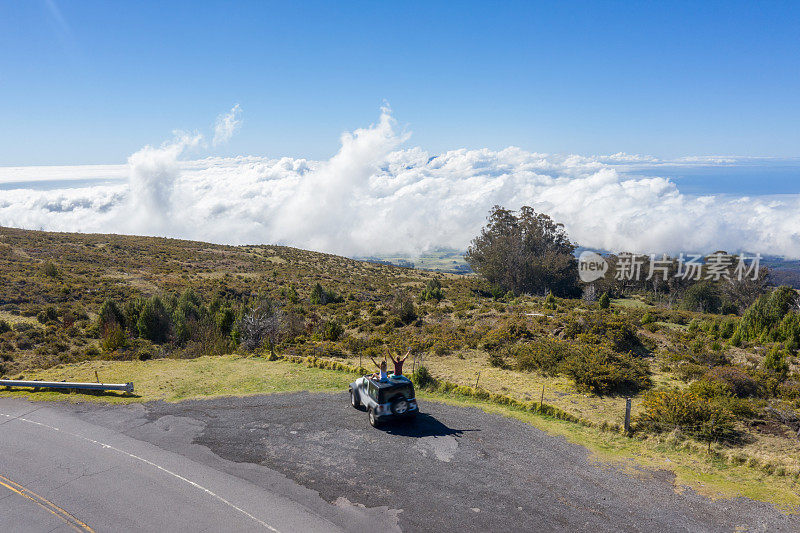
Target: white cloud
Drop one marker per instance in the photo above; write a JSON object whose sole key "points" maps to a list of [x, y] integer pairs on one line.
{"points": [[153, 173], [374, 197], [227, 125]]}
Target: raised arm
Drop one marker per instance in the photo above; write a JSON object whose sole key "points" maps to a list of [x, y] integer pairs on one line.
{"points": [[391, 356], [373, 361], [406, 355]]}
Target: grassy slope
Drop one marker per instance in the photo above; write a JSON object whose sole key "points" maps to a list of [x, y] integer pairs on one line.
{"points": [[95, 267], [174, 380]]}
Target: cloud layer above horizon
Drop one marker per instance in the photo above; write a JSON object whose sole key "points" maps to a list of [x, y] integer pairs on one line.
{"points": [[376, 197]]}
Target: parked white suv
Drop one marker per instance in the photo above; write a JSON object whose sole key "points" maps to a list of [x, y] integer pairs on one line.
{"points": [[384, 400]]}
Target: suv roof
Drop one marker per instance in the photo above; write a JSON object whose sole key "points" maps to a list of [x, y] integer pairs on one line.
{"points": [[394, 381]]}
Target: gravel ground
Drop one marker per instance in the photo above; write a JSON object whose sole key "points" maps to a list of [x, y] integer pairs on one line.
{"points": [[452, 469]]}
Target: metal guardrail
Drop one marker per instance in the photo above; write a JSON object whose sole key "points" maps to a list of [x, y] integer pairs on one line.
{"points": [[125, 387]]}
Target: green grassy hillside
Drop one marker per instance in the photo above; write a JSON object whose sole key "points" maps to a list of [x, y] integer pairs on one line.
{"points": [[72, 298]]}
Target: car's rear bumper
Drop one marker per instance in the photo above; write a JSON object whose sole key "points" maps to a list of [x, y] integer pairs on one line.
{"points": [[412, 412]]}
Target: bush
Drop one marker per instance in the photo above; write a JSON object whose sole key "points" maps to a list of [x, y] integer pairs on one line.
{"points": [[789, 390], [321, 296], [612, 331], [47, 315], [224, 320], [113, 340], [50, 270], [761, 321], [604, 302], [686, 411], [153, 323], [709, 389], [403, 308], [602, 371], [546, 356], [332, 330], [740, 382], [507, 333], [4, 326], [688, 371], [703, 297], [432, 291], [776, 362], [422, 378], [109, 316]]}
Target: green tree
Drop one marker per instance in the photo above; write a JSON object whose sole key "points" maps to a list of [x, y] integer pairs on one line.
{"points": [[703, 297], [320, 296], [527, 253], [776, 362], [110, 316], [763, 319], [403, 308], [153, 323], [604, 302], [432, 291]]}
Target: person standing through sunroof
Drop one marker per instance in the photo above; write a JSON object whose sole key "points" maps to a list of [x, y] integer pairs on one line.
{"points": [[398, 363]]}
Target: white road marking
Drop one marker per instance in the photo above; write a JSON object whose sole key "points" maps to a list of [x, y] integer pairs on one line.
{"points": [[143, 460]]}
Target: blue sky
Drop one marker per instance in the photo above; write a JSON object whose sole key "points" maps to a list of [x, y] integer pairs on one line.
{"points": [[85, 82]]}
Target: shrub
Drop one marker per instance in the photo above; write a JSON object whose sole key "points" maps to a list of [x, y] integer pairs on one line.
{"points": [[776, 362], [50, 270], [709, 389], [109, 316], [789, 390], [604, 302], [686, 411], [612, 331], [422, 378], [727, 328], [497, 359], [224, 319], [403, 308], [688, 371], [4, 326], [113, 339], [703, 297], [432, 291], [332, 330], [545, 355], [507, 333], [47, 315], [740, 382], [761, 320], [321, 296], [131, 312], [153, 323], [602, 371]]}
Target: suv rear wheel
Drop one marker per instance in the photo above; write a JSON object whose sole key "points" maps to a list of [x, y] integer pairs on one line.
{"points": [[354, 401], [373, 420]]}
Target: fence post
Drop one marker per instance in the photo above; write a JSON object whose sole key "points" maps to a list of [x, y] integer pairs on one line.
{"points": [[627, 415], [477, 380], [541, 402]]}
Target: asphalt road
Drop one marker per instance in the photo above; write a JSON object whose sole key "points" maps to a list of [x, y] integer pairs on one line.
{"points": [[309, 462]]}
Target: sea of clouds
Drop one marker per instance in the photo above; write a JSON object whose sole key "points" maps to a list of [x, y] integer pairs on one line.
{"points": [[378, 196]]}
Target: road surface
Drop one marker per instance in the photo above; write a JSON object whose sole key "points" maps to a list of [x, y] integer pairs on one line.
{"points": [[309, 462]]}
